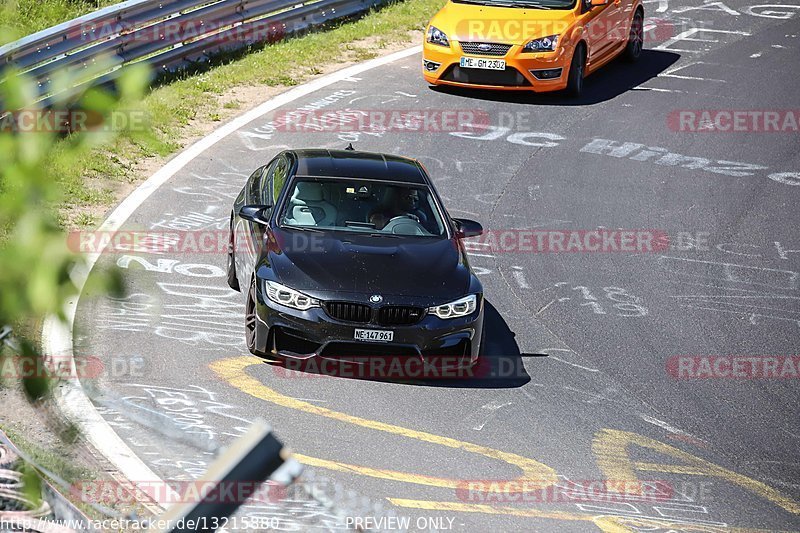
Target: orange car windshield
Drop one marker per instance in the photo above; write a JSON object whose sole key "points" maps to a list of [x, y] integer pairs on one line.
{"points": [[524, 4]]}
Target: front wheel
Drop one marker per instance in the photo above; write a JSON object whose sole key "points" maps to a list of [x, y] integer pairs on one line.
{"points": [[250, 319], [576, 69], [635, 39], [251, 325], [233, 281]]}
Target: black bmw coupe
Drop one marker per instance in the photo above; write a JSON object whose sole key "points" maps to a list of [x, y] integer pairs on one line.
{"points": [[344, 253]]}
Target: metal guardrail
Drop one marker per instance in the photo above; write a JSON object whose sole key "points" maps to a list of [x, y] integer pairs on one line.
{"points": [[168, 35]]}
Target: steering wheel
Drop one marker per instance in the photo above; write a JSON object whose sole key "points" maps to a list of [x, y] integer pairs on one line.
{"points": [[404, 225], [407, 215]]}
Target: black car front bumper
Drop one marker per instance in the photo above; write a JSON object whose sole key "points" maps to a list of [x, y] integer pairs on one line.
{"points": [[290, 334]]}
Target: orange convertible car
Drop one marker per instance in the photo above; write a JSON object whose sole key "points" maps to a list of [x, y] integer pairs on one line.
{"points": [[539, 45]]}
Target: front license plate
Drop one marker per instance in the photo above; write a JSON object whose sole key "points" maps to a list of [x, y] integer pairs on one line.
{"points": [[486, 64], [374, 335]]}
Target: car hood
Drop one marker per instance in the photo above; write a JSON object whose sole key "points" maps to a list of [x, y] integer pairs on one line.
{"points": [[472, 22], [325, 263]]}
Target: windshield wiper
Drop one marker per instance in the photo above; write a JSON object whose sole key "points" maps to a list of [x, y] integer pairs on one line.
{"points": [[304, 228], [379, 234], [533, 5]]}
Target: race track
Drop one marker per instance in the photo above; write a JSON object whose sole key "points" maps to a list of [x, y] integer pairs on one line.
{"points": [[589, 335]]}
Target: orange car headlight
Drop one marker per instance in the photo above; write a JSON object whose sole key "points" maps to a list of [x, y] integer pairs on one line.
{"points": [[543, 44], [437, 36]]}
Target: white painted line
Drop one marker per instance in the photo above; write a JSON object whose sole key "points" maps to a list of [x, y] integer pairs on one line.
{"points": [[57, 337], [492, 407], [670, 73], [551, 356], [544, 307]]}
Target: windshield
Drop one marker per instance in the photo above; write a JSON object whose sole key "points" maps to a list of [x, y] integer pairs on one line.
{"points": [[527, 4], [365, 206]]}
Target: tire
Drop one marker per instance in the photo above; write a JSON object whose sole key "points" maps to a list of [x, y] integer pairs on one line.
{"points": [[251, 323], [576, 72], [251, 320], [635, 38], [233, 281]]}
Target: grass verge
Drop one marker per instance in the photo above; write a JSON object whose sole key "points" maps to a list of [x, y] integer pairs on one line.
{"points": [[55, 460], [23, 17]]}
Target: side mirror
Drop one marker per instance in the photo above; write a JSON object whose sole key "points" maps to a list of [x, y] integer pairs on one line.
{"points": [[466, 228], [599, 3], [255, 213]]}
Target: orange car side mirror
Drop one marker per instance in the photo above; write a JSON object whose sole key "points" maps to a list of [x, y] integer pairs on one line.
{"points": [[599, 3]]}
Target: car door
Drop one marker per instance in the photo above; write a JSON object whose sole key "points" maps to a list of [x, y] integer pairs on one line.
{"points": [[247, 241], [599, 30], [623, 27], [265, 191]]}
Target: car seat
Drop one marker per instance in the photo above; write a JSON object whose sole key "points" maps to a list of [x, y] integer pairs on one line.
{"points": [[309, 207]]}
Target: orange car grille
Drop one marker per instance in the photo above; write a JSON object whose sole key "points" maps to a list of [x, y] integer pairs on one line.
{"points": [[485, 49]]}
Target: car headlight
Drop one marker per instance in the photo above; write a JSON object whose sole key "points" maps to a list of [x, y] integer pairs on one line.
{"points": [[462, 307], [543, 44], [281, 294], [437, 36]]}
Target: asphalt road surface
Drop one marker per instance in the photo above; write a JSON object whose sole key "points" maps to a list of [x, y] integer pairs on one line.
{"points": [[579, 344]]}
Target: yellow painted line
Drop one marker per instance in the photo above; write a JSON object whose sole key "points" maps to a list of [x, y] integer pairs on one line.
{"points": [[610, 448], [534, 473], [392, 475]]}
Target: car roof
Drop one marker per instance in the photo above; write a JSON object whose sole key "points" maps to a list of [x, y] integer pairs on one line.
{"points": [[357, 164]]}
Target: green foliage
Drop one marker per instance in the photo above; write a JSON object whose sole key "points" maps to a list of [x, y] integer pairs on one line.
{"points": [[36, 262]]}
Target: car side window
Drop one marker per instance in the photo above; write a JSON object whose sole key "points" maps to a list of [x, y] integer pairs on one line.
{"points": [[254, 183], [279, 177], [263, 194]]}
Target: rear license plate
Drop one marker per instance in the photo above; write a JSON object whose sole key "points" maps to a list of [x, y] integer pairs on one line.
{"points": [[486, 64], [373, 335]]}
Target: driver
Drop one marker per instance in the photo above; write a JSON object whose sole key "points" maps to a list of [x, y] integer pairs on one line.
{"points": [[398, 202]]}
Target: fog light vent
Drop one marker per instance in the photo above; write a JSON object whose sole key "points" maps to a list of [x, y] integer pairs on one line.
{"points": [[430, 66], [546, 74]]}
